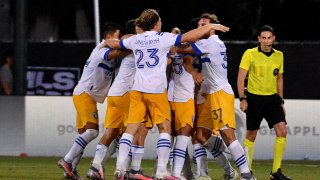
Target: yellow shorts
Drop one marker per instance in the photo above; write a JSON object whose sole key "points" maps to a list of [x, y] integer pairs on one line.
{"points": [[117, 111], [86, 109], [183, 113], [156, 105], [217, 111]]}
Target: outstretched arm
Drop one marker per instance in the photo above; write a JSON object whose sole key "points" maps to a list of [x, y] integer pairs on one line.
{"points": [[112, 43], [195, 34], [115, 53]]}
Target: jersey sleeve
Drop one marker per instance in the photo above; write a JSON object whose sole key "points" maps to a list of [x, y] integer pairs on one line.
{"points": [[281, 65], [104, 52], [245, 60], [170, 38], [203, 46], [127, 43]]}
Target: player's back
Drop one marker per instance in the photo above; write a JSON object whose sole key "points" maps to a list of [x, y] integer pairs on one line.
{"points": [[124, 79], [214, 67], [150, 49], [181, 87], [97, 74]]}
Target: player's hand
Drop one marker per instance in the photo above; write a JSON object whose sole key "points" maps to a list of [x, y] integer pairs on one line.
{"points": [[197, 77], [220, 27], [243, 106]]}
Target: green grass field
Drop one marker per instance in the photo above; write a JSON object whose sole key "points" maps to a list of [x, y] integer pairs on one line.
{"points": [[46, 168]]}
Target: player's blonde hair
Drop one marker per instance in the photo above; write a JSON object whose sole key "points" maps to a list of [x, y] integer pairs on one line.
{"points": [[148, 19], [213, 18]]}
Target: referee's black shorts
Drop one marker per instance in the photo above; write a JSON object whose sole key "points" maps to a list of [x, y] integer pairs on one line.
{"points": [[261, 106]]}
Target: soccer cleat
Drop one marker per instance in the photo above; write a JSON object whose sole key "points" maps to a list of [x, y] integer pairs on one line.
{"points": [[171, 178], [76, 175], [66, 167], [279, 176], [118, 175], [202, 178], [184, 178], [93, 174], [66, 176], [231, 176], [244, 176], [138, 175], [102, 173]]}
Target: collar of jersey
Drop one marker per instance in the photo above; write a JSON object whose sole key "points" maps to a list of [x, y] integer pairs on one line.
{"points": [[150, 32]]}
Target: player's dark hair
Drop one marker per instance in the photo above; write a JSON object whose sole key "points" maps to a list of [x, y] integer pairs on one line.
{"points": [[148, 19], [110, 28], [212, 17], [266, 28], [193, 24], [130, 27]]}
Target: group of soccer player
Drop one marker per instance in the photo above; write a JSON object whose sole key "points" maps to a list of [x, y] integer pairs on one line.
{"points": [[197, 104]]}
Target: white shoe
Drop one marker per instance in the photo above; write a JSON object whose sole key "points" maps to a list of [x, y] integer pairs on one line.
{"points": [[232, 176]]}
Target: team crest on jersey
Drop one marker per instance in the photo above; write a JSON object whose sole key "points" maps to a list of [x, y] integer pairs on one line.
{"points": [[275, 71], [95, 115]]}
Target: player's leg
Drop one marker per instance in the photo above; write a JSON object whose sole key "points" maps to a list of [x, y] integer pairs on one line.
{"points": [[136, 115], [275, 116], [183, 123], [200, 160], [224, 121], [137, 149], [254, 117], [159, 109], [117, 110], [212, 143], [87, 122]]}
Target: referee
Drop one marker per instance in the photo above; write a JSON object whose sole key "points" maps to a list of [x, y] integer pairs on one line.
{"points": [[264, 96]]}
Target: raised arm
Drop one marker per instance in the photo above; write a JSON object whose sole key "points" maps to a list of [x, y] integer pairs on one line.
{"points": [[195, 34]]}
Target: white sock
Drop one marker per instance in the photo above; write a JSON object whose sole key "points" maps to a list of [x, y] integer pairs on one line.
{"points": [[163, 151], [187, 170], [215, 145], [137, 155], [80, 144], [224, 163], [101, 151], [179, 154], [171, 160], [112, 148], [195, 166], [124, 148], [238, 156], [200, 154], [76, 161]]}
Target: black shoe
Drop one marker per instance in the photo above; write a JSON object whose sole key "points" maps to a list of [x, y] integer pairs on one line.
{"points": [[279, 176]]}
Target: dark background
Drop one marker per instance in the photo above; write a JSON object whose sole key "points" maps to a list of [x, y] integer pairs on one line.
{"points": [[293, 20], [61, 32]]}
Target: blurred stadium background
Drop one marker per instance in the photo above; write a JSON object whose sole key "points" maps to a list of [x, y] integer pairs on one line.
{"points": [[51, 40]]}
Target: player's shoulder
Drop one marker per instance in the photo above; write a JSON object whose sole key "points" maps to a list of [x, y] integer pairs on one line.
{"points": [[165, 34]]}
